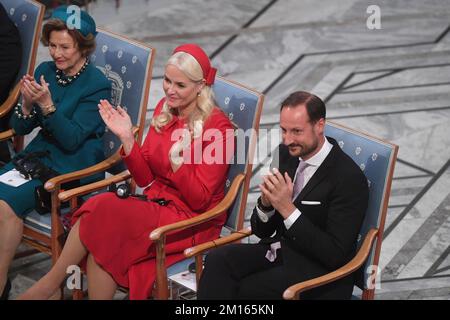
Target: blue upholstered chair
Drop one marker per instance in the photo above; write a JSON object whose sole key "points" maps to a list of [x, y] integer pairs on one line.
{"points": [[27, 15], [128, 65], [243, 107], [376, 158]]}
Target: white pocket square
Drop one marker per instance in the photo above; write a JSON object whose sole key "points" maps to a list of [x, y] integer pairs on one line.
{"points": [[311, 203]]}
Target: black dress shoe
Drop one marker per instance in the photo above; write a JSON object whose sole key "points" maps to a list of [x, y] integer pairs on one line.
{"points": [[6, 290]]}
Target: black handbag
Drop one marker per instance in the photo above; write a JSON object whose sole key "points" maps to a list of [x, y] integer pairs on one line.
{"points": [[43, 200], [31, 167]]}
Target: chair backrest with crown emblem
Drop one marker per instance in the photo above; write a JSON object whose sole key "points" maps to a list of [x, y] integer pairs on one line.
{"points": [[376, 158], [243, 107], [128, 65], [27, 15]]}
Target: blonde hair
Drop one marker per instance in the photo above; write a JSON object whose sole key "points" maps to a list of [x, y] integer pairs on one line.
{"points": [[205, 100]]}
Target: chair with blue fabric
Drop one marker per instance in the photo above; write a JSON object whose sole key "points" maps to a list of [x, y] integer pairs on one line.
{"points": [[243, 107], [27, 15], [376, 158], [128, 65]]}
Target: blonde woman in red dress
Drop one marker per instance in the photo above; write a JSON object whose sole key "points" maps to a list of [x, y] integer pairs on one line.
{"points": [[111, 233]]}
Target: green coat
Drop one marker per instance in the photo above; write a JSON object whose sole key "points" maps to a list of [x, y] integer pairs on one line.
{"points": [[76, 129], [76, 126]]}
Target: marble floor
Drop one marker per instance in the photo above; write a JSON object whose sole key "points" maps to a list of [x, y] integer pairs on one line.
{"points": [[392, 82]]}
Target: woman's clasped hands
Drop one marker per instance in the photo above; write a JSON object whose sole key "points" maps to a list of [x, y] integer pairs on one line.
{"points": [[34, 93]]}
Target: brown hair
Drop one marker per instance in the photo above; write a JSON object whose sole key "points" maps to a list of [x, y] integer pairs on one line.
{"points": [[314, 105], [86, 45]]}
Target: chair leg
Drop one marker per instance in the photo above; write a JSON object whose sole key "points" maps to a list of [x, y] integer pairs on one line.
{"points": [[198, 268], [18, 143], [368, 294], [78, 294]]}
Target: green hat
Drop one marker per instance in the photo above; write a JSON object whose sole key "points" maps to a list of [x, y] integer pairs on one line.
{"points": [[86, 25]]}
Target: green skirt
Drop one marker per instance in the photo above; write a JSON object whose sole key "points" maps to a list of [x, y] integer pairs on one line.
{"points": [[20, 199]]}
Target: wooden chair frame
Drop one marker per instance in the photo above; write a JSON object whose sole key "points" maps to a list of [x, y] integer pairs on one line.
{"points": [[293, 292], [53, 245], [14, 94], [158, 236]]}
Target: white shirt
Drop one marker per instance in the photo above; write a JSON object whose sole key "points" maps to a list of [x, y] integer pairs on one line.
{"points": [[313, 164]]}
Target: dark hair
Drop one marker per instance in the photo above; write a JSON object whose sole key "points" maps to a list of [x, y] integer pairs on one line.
{"points": [[85, 44], [314, 105]]}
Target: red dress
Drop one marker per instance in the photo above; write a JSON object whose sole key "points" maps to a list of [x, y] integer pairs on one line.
{"points": [[116, 231]]}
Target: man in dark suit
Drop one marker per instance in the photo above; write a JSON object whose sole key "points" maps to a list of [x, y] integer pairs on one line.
{"points": [[10, 60], [308, 216]]}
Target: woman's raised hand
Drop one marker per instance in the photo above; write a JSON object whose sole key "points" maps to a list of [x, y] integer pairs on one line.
{"points": [[117, 120], [25, 90], [33, 92]]}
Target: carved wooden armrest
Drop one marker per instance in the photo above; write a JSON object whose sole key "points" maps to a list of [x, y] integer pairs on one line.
{"points": [[56, 182], [5, 135], [89, 188], [293, 292], [233, 237], [11, 101], [159, 233]]}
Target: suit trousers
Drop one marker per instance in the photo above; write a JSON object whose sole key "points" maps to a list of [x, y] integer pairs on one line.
{"points": [[241, 271]]}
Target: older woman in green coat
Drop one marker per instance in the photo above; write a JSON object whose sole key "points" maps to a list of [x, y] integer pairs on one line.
{"points": [[61, 99]]}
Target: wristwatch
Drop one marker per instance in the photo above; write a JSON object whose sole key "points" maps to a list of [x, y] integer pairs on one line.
{"points": [[263, 207], [48, 110]]}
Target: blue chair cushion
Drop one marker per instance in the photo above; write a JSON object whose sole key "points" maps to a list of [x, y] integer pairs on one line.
{"points": [[41, 223], [179, 266]]}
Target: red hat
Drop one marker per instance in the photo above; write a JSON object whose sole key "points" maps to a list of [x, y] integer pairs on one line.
{"points": [[209, 73]]}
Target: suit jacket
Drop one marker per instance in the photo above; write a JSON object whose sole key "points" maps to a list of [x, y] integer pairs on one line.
{"points": [[324, 237], [10, 55]]}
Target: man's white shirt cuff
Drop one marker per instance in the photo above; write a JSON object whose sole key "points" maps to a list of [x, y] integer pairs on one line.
{"points": [[292, 218], [264, 216]]}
